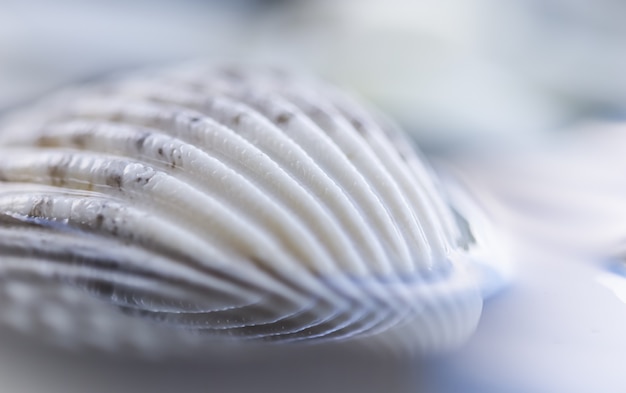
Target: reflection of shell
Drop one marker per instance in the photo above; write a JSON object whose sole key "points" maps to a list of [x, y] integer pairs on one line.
{"points": [[241, 205]]}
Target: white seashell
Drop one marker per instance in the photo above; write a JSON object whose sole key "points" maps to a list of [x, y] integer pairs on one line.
{"points": [[228, 205]]}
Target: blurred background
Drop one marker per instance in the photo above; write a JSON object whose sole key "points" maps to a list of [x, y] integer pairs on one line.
{"points": [[523, 100], [456, 73]]}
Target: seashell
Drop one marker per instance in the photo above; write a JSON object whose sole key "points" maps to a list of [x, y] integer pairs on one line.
{"points": [[225, 205]]}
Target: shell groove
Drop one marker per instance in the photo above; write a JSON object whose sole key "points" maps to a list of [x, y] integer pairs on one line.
{"points": [[233, 204]]}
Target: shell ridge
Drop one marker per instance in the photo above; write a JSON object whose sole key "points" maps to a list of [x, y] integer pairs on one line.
{"points": [[267, 214], [230, 112], [328, 223]]}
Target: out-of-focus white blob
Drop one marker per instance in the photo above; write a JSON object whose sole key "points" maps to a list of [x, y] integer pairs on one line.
{"points": [[569, 193], [615, 283], [560, 325]]}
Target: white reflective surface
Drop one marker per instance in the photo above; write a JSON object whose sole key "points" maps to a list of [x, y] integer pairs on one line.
{"points": [[559, 327]]}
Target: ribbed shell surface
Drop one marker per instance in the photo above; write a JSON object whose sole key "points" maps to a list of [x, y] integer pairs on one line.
{"points": [[230, 204]]}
